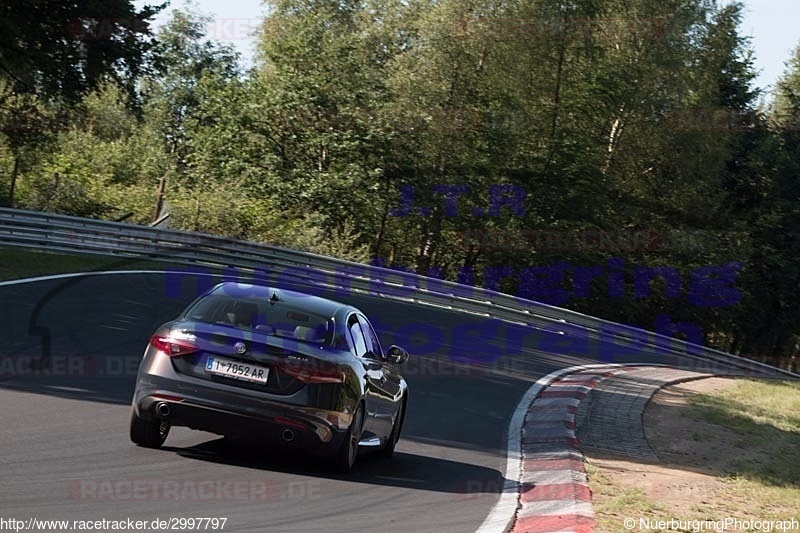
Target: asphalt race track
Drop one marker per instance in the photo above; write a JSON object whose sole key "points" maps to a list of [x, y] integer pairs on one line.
{"points": [[66, 453]]}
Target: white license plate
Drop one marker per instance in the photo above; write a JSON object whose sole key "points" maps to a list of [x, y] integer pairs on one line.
{"points": [[236, 370]]}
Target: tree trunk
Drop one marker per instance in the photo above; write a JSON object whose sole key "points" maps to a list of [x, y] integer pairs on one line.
{"points": [[562, 53], [14, 173], [379, 238]]}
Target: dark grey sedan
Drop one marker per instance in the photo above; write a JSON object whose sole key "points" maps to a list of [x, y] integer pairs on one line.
{"points": [[275, 365]]}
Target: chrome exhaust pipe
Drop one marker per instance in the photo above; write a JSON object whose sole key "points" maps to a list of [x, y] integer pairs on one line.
{"points": [[287, 435], [162, 410]]}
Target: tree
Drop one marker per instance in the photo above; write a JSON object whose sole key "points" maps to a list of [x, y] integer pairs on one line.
{"points": [[63, 49], [27, 123], [97, 162], [319, 92], [172, 91], [769, 322]]}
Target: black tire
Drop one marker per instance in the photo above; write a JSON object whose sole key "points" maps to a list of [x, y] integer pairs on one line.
{"points": [[148, 433], [346, 456], [388, 451]]}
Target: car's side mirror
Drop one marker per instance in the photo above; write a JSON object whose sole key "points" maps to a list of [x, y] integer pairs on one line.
{"points": [[396, 355]]}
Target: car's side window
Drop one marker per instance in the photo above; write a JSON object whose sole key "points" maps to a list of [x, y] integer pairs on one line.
{"points": [[357, 335], [373, 344]]}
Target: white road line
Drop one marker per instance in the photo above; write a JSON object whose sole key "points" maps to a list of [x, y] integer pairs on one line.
{"points": [[77, 275]]}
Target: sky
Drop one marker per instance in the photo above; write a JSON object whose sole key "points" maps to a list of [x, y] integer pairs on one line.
{"points": [[771, 24], [773, 27]]}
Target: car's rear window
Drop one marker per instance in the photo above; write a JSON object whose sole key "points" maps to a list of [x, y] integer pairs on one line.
{"points": [[272, 318]]}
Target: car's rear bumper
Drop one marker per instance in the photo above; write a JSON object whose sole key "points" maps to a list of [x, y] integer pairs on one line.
{"points": [[229, 413], [288, 428]]}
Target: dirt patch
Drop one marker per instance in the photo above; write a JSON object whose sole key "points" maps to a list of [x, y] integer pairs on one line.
{"points": [[695, 475], [681, 440]]}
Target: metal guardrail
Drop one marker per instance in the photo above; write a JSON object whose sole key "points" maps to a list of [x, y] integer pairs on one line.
{"points": [[65, 233]]}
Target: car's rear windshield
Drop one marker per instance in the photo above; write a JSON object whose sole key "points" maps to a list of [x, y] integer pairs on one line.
{"points": [[257, 314]]}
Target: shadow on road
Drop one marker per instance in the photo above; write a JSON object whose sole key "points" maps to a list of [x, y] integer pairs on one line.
{"points": [[404, 470]]}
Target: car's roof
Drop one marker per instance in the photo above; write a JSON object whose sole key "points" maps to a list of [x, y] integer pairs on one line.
{"points": [[309, 302]]}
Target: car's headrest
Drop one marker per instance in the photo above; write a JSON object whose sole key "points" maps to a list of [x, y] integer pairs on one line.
{"points": [[305, 333], [245, 313]]}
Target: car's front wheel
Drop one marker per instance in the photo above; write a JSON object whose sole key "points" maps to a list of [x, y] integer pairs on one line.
{"points": [[148, 433], [346, 456]]}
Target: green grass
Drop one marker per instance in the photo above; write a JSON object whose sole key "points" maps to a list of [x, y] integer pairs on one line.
{"points": [[765, 415], [614, 503], [753, 407], [19, 263], [761, 481]]}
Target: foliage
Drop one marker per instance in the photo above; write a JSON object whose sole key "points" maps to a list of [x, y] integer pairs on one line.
{"points": [[62, 49], [467, 139]]}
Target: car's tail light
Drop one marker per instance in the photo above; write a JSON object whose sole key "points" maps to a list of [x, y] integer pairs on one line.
{"points": [[309, 372], [172, 347]]}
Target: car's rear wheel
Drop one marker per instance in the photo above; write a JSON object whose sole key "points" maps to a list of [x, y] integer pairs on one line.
{"points": [[346, 456], [388, 450], [148, 433]]}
